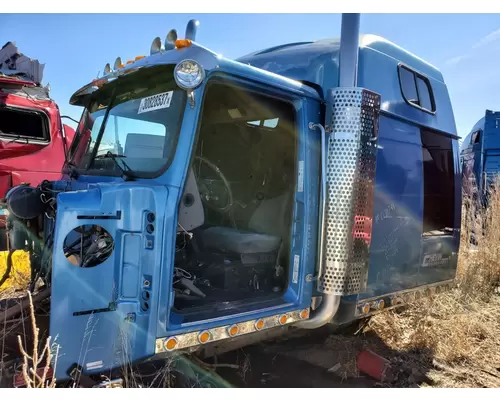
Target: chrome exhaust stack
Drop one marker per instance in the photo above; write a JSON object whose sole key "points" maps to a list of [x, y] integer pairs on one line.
{"points": [[348, 160]]}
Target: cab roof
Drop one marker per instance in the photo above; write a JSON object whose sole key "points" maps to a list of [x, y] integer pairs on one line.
{"points": [[317, 63], [308, 52]]}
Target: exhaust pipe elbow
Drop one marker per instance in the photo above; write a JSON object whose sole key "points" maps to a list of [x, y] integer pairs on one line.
{"points": [[323, 314]]}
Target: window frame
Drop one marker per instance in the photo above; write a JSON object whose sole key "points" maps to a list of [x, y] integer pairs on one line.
{"points": [[116, 172], [417, 75], [242, 83], [271, 92], [47, 134], [474, 135]]}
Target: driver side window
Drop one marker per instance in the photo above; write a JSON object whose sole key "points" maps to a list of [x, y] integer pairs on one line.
{"points": [[245, 160]]}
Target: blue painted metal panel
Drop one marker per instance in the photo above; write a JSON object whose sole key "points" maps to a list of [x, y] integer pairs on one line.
{"points": [[101, 340], [491, 131], [398, 209], [317, 62], [398, 247]]}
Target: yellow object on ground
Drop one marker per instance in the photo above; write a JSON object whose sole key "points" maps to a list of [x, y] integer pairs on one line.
{"points": [[20, 273]]}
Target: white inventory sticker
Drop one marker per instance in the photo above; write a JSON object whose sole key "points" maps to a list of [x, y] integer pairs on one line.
{"points": [[296, 263], [156, 102]]}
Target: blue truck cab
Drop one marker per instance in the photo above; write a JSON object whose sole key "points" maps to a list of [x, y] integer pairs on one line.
{"points": [[480, 156], [209, 203]]}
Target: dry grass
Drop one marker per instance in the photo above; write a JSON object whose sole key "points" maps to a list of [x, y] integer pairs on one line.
{"points": [[454, 337], [36, 365]]}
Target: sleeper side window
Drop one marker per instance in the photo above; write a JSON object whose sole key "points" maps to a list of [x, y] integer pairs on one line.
{"points": [[424, 94], [408, 85], [416, 89]]}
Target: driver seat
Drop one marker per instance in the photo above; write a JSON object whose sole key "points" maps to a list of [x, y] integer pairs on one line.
{"points": [[268, 224]]}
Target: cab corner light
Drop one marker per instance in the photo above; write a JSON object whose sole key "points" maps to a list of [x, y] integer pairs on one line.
{"points": [[188, 74]]}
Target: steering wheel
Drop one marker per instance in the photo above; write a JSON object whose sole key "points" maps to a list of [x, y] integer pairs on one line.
{"points": [[205, 197]]}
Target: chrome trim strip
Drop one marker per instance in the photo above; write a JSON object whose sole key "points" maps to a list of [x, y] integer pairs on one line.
{"points": [[190, 339], [405, 297]]}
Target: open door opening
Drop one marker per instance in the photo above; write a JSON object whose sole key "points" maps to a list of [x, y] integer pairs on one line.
{"points": [[439, 184], [233, 244]]}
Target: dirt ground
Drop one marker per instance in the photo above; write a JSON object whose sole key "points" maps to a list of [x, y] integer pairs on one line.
{"points": [[438, 342]]}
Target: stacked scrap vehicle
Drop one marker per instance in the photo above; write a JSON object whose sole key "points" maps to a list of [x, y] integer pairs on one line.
{"points": [[33, 140]]}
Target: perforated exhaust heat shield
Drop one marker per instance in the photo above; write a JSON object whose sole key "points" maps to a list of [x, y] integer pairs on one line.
{"points": [[351, 164]]}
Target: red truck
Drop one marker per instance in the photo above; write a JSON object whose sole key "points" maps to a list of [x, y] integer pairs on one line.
{"points": [[33, 140]]}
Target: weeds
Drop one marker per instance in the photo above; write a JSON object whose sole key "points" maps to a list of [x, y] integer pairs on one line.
{"points": [[31, 363], [460, 329]]}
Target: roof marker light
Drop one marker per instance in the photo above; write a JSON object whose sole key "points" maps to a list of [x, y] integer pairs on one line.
{"points": [[155, 46], [183, 43]]}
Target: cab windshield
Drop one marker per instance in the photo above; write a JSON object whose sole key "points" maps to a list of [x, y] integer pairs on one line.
{"points": [[131, 125]]}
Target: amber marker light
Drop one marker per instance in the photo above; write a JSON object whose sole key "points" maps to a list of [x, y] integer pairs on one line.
{"points": [[183, 43], [233, 330], [170, 344], [259, 324], [396, 301], [204, 337]]}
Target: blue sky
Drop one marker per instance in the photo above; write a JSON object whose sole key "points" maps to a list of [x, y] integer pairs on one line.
{"points": [[75, 47]]}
